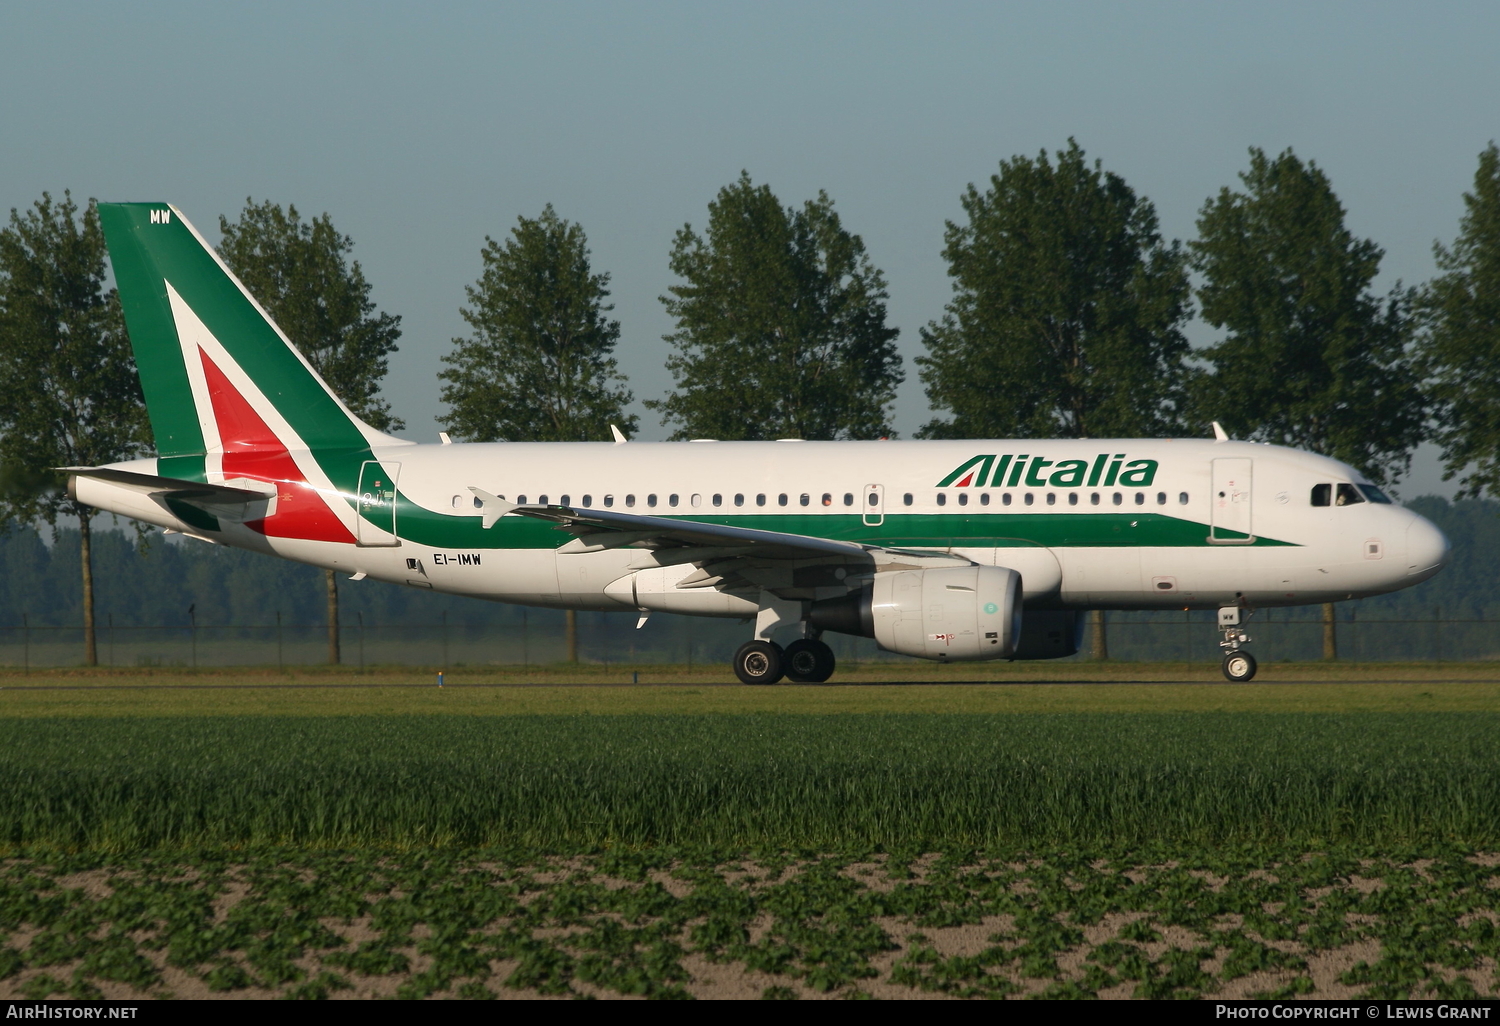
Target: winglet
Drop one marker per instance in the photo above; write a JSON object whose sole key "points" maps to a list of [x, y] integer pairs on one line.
{"points": [[494, 506], [1220, 435], [620, 438]]}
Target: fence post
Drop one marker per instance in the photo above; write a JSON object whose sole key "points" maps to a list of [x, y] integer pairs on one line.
{"points": [[280, 663], [445, 639], [193, 632], [111, 639], [1437, 633], [26, 644], [1330, 633], [1098, 643], [525, 642], [361, 640]]}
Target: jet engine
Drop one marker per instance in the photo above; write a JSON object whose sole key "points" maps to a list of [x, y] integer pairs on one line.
{"points": [[951, 613]]}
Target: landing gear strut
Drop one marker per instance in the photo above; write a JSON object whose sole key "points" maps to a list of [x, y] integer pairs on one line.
{"points": [[1239, 665]]}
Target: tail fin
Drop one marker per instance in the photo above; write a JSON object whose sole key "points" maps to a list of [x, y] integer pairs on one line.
{"points": [[218, 375]]}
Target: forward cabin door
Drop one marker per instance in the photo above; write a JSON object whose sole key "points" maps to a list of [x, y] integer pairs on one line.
{"points": [[1230, 521], [874, 505], [377, 503]]}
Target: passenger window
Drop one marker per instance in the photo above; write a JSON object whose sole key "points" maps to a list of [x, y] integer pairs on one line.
{"points": [[906, 499], [1052, 498], [804, 499], [1029, 498], [1321, 494], [1140, 498], [1161, 498], [671, 500], [942, 499], [760, 500], [827, 499], [1072, 498], [1375, 494], [1119, 499], [630, 500], [696, 500], [456, 500], [781, 499], [541, 500], [1005, 499], [984, 499], [739, 499], [609, 500], [588, 500], [651, 500], [1347, 495], [521, 499], [848, 498], [1094, 499], [718, 499], [1182, 498], [564, 501], [963, 498]]}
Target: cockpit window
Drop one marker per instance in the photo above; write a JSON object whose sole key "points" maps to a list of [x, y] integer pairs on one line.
{"points": [[1375, 494], [1347, 495], [1321, 494]]}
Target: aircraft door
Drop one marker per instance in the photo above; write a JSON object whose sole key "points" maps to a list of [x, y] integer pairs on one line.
{"points": [[377, 503], [1230, 522], [874, 505]]}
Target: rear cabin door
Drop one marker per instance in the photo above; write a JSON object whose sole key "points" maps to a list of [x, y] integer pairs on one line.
{"points": [[377, 503], [1230, 521]]}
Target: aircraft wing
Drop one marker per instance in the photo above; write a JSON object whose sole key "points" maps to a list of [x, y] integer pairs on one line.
{"points": [[726, 556]]}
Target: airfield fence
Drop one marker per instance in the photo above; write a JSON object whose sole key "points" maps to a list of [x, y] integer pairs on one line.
{"points": [[605, 639]]}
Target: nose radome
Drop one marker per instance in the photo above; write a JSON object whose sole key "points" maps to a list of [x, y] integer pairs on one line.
{"points": [[1427, 548]]}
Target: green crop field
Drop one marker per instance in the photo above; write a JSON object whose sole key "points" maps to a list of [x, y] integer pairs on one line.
{"points": [[357, 835]]}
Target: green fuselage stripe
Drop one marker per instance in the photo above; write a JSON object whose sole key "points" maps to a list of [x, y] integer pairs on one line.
{"points": [[898, 530]]}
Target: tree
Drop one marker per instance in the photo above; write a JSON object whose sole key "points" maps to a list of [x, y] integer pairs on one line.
{"points": [[1067, 310], [1066, 317], [69, 392], [781, 327], [301, 274], [1461, 341], [1311, 357], [539, 365]]}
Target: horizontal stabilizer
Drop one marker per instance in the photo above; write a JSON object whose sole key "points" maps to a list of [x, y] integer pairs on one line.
{"points": [[237, 502]]}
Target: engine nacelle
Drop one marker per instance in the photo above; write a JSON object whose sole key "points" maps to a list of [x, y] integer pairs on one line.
{"points": [[952, 613]]}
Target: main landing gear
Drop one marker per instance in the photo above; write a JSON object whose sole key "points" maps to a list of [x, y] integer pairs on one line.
{"points": [[1239, 665], [805, 661]]}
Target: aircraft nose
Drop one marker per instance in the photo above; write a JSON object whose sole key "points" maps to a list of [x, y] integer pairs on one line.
{"points": [[1427, 548]]}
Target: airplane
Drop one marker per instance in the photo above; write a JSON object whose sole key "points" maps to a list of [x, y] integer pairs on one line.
{"points": [[943, 550]]}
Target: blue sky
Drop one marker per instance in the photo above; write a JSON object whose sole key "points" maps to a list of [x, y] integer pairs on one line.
{"points": [[423, 128]]}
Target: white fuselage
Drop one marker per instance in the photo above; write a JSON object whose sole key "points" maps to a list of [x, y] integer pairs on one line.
{"points": [[1220, 523]]}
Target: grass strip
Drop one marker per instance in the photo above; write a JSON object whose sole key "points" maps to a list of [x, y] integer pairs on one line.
{"points": [[828, 782]]}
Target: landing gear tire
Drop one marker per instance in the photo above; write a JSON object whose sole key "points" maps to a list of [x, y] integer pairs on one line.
{"points": [[1239, 666], [759, 662], [808, 661]]}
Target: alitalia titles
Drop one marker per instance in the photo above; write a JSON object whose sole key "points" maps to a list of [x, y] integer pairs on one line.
{"points": [[1106, 470]]}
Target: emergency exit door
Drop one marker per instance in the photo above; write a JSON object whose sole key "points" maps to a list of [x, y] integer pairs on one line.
{"points": [[1230, 522]]}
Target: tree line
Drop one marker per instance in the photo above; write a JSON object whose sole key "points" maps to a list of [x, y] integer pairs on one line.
{"points": [[1067, 318]]}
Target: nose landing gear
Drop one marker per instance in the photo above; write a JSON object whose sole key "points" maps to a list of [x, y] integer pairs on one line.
{"points": [[1239, 666]]}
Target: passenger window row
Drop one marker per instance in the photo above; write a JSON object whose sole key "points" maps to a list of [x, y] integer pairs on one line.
{"points": [[827, 499], [1051, 498]]}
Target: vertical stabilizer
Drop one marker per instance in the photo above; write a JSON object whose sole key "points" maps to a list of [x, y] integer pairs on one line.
{"points": [[218, 375]]}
